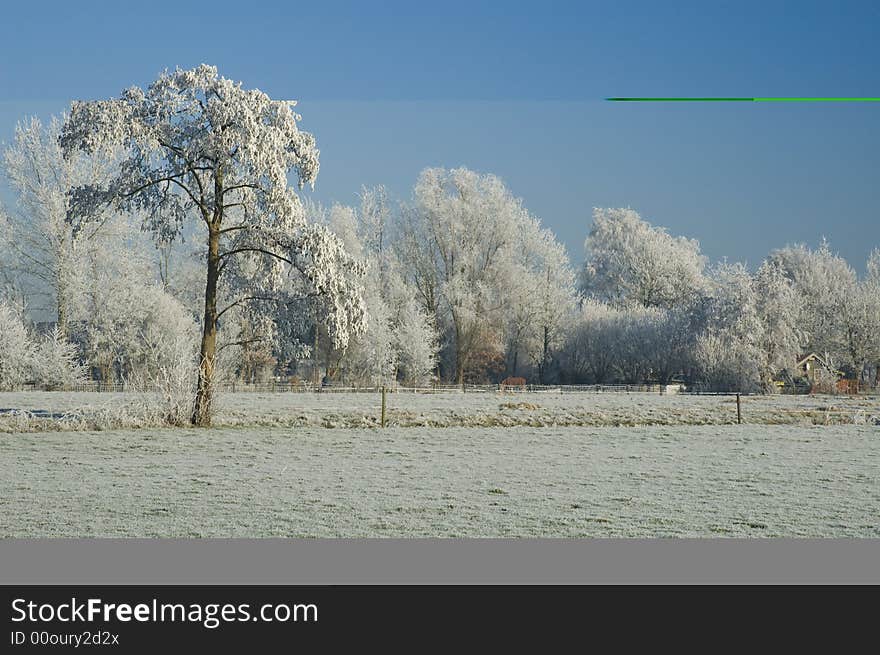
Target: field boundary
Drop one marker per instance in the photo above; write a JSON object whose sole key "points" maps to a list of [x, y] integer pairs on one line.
{"points": [[287, 387]]}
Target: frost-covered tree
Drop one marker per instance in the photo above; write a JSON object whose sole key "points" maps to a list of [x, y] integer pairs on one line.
{"points": [[195, 146], [728, 351], [872, 283], [822, 281], [413, 331], [724, 363], [542, 298], [553, 295], [872, 268], [633, 330], [462, 250], [16, 348], [8, 278], [630, 262], [370, 357], [590, 352], [166, 336], [840, 314], [375, 214], [399, 341], [121, 308], [861, 327], [56, 363], [779, 310], [663, 341], [42, 245], [415, 343]]}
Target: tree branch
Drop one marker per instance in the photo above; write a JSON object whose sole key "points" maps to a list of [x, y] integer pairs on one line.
{"points": [[245, 299], [234, 227], [240, 343], [236, 251]]}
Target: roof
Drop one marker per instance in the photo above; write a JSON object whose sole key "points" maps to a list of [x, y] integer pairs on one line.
{"points": [[815, 357]]}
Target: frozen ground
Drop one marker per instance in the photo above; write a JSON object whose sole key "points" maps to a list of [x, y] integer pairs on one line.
{"points": [[449, 409], [749, 480]]}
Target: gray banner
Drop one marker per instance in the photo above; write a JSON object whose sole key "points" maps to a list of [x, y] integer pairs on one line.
{"points": [[435, 561]]}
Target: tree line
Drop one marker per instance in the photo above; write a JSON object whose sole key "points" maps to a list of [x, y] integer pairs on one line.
{"points": [[156, 238]]}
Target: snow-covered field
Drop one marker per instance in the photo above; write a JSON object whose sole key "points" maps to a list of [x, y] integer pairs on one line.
{"points": [[570, 480], [448, 409]]}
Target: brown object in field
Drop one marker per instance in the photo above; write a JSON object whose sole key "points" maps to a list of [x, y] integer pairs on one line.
{"points": [[513, 382]]}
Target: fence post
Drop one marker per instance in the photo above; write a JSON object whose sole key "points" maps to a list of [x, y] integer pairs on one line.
{"points": [[739, 418], [383, 407]]}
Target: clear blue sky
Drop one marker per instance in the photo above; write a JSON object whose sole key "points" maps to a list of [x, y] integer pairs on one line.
{"points": [[516, 89]]}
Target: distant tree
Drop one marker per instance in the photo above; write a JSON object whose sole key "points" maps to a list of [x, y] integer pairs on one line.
{"points": [[665, 342], [779, 310], [873, 267], [165, 337], [123, 312], [369, 357], [724, 363], [630, 262], [464, 249], [554, 296], [730, 333], [591, 347], [822, 281], [399, 341], [413, 330], [861, 326], [872, 282], [42, 245], [197, 146], [415, 342], [56, 363], [16, 348], [375, 213]]}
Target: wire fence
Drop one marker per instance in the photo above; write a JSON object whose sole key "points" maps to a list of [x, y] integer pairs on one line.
{"points": [[96, 386], [301, 387]]}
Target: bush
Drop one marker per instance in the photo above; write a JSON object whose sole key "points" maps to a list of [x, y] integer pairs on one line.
{"points": [[56, 364], [16, 349]]}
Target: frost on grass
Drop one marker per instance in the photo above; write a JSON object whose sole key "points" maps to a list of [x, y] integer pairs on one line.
{"points": [[660, 481], [49, 411]]}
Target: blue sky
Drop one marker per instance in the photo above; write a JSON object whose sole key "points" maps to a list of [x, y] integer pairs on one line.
{"points": [[516, 89]]}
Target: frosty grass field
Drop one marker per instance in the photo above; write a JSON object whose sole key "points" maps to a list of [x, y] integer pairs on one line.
{"points": [[450, 465]]}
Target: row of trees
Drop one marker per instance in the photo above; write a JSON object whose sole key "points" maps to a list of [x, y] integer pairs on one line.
{"points": [[156, 237], [658, 310]]}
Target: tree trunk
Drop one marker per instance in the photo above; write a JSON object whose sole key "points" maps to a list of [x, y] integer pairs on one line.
{"points": [[204, 392], [315, 373], [545, 356], [459, 354], [62, 312]]}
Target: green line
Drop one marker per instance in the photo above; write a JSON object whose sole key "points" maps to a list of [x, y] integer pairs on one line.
{"points": [[767, 99]]}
